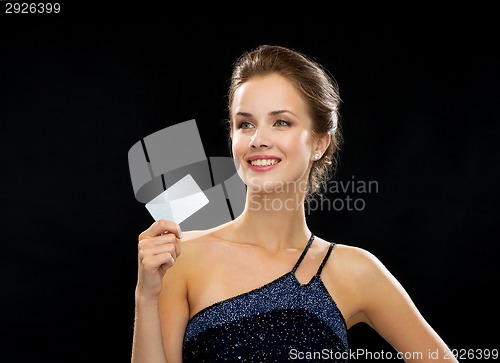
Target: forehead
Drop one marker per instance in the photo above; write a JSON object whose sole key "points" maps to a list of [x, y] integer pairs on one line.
{"points": [[268, 93]]}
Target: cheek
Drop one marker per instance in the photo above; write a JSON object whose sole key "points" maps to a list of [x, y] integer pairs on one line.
{"points": [[299, 144], [305, 138], [238, 149], [238, 144]]}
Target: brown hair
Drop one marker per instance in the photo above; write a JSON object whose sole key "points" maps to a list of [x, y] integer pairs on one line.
{"points": [[318, 87]]}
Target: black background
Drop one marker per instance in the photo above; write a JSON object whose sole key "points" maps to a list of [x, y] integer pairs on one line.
{"points": [[79, 88]]}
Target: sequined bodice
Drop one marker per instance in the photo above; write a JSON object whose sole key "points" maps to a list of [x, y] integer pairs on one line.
{"points": [[280, 321]]}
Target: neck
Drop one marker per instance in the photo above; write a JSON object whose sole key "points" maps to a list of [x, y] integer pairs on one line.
{"points": [[276, 220]]}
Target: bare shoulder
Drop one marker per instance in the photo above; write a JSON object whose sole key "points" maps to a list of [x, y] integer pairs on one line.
{"points": [[195, 247], [357, 281], [354, 255], [195, 235], [359, 263]]}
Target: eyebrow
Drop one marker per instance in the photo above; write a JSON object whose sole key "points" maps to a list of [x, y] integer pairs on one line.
{"points": [[272, 113]]}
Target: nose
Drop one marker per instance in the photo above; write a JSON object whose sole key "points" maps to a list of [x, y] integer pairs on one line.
{"points": [[260, 139]]}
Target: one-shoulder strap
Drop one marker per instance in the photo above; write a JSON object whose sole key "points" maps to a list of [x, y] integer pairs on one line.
{"points": [[302, 255], [325, 259]]}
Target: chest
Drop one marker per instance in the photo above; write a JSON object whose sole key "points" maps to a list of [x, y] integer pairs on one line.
{"points": [[230, 275]]}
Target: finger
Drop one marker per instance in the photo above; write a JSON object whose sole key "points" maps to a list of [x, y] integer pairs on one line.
{"points": [[177, 246], [160, 227], [155, 262], [170, 248], [168, 238]]}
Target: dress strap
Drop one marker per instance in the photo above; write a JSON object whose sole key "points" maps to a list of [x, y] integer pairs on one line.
{"points": [[311, 239], [325, 259]]}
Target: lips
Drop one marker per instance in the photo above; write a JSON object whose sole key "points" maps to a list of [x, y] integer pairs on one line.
{"points": [[263, 162]]}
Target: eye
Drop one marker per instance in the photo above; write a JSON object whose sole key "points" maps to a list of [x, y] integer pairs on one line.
{"points": [[282, 123], [245, 125]]}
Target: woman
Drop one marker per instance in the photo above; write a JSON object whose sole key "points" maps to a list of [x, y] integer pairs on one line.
{"points": [[263, 287]]}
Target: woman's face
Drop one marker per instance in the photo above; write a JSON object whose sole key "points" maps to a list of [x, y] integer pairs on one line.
{"points": [[272, 140]]}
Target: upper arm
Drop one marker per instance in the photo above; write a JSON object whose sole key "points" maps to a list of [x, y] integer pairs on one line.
{"points": [[174, 309], [388, 309]]}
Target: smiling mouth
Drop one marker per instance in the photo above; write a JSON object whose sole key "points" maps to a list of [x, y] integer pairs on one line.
{"points": [[263, 162]]}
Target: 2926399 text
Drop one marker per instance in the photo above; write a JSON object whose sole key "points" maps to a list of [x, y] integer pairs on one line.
{"points": [[32, 8]]}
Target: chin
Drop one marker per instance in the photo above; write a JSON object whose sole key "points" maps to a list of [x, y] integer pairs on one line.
{"points": [[268, 185]]}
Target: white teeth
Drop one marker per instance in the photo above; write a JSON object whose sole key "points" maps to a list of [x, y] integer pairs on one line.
{"points": [[264, 162]]}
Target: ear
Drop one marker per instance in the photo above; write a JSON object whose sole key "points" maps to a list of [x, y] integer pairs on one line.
{"points": [[321, 144]]}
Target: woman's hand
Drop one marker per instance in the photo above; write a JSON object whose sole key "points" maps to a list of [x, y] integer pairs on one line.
{"points": [[158, 248]]}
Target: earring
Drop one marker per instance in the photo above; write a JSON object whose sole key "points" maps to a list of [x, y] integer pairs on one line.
{"points": [[317, 156]]}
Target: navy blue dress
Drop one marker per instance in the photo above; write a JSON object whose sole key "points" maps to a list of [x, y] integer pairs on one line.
{"points": [[281, 321]]}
